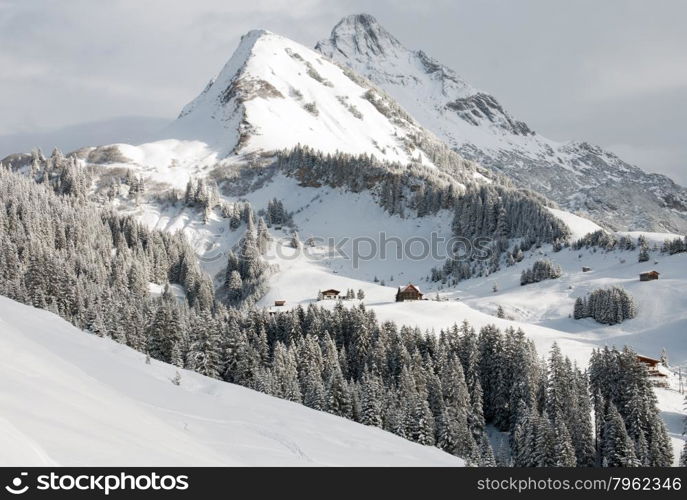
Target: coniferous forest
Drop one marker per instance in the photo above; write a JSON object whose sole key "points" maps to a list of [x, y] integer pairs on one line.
{"points": [[606, 305], [448, 389], [541, 270]]}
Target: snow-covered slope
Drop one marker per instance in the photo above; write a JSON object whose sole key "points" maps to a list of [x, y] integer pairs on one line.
{"points": [[579, 176], [69, 398], [579, 226], [543, 310]]}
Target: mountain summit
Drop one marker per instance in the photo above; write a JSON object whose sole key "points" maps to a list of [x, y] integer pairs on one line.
{"points": [[361, 34], [579, 176], [274, 94]]}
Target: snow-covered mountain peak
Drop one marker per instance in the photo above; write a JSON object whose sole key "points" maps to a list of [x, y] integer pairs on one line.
{"points": [[578, 176], [228, 72], [274, 93], [411, 76], [362, 38], [361, 34]]}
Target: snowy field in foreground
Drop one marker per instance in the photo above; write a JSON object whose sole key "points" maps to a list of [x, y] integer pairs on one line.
{"points": [[69, 398]]}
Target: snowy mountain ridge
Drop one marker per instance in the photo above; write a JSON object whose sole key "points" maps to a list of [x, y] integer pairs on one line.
{"points": [[578, 176]]}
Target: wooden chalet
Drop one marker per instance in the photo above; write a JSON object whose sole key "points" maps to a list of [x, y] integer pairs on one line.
{"points": [[651, 365], [651, 275], [409, 292], [586, 269], [330, 294], [279, 303]]}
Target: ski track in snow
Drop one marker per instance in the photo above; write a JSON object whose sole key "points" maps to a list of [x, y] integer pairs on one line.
{"points": [[28, 450]]}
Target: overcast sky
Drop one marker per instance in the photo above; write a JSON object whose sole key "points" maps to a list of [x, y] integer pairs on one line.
{"points": [[612, 72]]}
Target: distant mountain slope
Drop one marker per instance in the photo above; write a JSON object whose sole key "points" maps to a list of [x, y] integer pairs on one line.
{"points": [[69, 398], [579, 176]]}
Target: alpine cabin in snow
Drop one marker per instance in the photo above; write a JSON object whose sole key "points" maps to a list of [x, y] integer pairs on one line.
{"points": [[410, 292], [651, 275], [651, 365], [330, 294]]}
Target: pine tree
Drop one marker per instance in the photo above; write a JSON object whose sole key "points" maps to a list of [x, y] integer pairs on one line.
{"points": [[263, 236], [235, 288], [486, 453], [285, 372], [371, 401], [580, 310], [608, 306], [580, 423], [524, 438], [617, 449], [295, 240], [564, 451], [541, 270], [338, 397], [546, 451], [205, 356], [559, 395], [422, 429], [490, 370], [235, 347], [643, 248], [314, 393]]}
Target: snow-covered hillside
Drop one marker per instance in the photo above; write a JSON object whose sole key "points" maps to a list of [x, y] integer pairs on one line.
{"points": [[69, 398], [543, 310], [577, 175]]}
